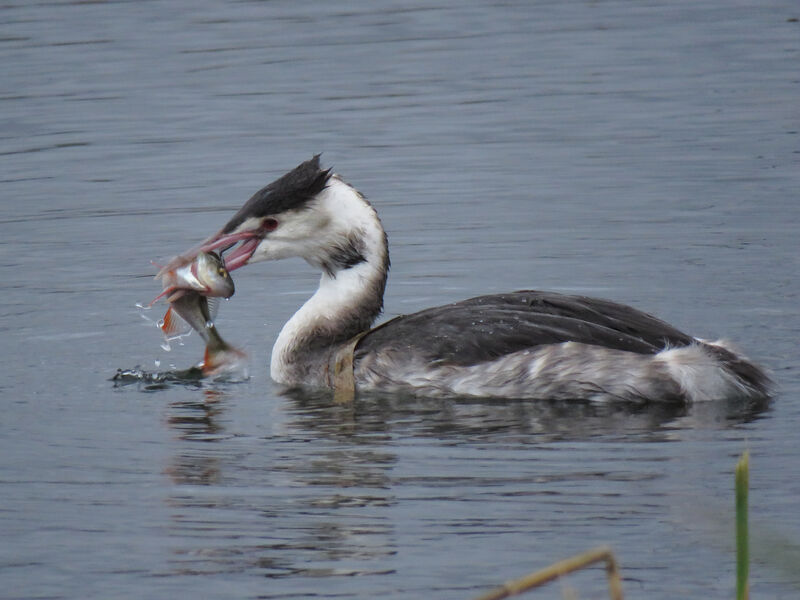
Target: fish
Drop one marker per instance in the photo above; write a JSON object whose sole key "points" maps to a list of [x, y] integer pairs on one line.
{"points": [[206, 275], [197, 311], [193, 291]]}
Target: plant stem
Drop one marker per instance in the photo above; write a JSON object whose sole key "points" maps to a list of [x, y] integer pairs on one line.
{"points": [[742, 550], [559, 569]]}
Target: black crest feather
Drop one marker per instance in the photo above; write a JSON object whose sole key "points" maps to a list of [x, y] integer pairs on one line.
{"points": [[290, 191]]}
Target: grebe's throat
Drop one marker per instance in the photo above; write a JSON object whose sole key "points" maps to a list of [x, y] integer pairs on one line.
{"points": [[350, 248]]}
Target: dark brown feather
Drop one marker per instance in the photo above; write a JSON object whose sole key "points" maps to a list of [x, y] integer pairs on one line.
{"points": [[487, 327]]}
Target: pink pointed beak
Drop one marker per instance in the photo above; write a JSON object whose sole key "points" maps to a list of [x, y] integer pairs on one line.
{"points": [[234, 259]]}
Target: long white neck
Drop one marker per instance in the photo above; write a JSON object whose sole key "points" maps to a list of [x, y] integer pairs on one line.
{"points": [[349, 246]]}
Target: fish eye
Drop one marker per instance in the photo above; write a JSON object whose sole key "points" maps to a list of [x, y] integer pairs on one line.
{"points": [[222, 272]]}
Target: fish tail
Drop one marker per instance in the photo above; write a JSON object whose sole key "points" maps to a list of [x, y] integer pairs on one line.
{"points": [[208, 358], [222, 357]]}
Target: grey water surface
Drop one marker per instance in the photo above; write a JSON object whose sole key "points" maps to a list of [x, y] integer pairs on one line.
{"points": [[645, 152]]}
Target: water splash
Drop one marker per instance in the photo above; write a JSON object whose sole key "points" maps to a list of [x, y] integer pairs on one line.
{"points": [[165, 344], [146, 307], [230, 365], [158, 379], [193, 376]]}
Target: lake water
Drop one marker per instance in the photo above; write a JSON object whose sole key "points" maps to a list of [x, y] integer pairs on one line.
{"points": [[643, 152]]}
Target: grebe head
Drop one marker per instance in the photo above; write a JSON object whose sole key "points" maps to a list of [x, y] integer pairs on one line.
{"points": [[308, 212]]}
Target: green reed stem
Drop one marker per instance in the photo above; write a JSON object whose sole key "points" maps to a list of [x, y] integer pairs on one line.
{"points": [[742, 549]]}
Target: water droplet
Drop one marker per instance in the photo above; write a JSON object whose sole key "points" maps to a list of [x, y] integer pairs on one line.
{"points": [[209, 324], [157, 362]]}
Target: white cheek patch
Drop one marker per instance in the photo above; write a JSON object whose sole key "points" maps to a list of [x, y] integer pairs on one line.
{"points": [[249, 224], [300, 224]]}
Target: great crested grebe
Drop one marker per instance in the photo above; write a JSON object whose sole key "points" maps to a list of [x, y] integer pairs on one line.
{"points": [[526, 344]]}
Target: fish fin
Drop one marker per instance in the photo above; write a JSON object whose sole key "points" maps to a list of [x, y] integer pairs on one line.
{"points": [[213, 306], [177, 294], [173, 325], [161, 295], [222, 360]]}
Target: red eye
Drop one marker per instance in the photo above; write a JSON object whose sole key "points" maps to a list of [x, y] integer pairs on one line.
{"points": [[269, 224]]}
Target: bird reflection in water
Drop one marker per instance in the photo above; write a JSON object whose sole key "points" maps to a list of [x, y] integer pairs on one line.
{"points": [[320, 495], [467, 418], [267, 505]]}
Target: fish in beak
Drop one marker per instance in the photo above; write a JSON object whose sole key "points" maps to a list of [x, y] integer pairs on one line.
{"points": [[236, 247], [223, 243], [267, 210], [204, 274]]}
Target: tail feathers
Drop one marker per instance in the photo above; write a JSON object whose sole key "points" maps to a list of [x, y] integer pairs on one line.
{"points": [[748, 374], [714, 371]]}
